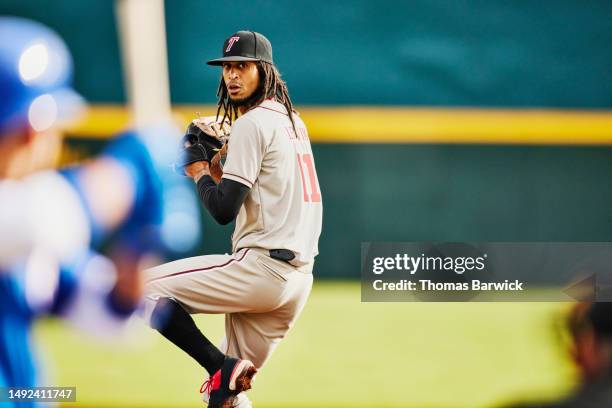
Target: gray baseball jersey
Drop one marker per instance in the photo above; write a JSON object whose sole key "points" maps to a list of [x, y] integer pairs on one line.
{"points": [[283, 210]]}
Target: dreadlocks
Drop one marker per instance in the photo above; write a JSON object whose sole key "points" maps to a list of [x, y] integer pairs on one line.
{"points": [[271, 86]]}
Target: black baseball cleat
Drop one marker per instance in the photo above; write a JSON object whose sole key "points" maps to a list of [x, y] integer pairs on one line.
{"points": [[234, 377]]}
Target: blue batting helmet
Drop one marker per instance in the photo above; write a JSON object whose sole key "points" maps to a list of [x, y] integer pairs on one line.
{"points": [[35, 76]]}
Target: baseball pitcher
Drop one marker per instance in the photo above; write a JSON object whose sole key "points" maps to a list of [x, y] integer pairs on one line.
{"points": [[269, 186]]}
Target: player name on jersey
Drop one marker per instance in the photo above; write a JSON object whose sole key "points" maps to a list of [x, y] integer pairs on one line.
{"points": [[299, 133]]}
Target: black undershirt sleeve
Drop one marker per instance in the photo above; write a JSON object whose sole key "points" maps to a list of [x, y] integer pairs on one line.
{"points": [[223, 201]]}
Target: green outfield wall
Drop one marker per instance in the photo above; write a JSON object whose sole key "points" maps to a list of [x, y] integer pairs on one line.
{"points": [[453, 193]]}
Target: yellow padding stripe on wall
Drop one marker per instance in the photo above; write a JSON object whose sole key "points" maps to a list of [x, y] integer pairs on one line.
{"points": [[406, 125]]}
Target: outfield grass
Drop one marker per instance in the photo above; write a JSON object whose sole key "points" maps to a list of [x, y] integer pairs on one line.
{"points": [[342, 353]]}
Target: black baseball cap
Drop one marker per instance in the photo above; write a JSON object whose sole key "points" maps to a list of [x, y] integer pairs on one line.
{"points": [[245, 46]]}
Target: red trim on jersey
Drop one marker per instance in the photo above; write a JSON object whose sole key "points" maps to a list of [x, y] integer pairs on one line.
{"points": [[273, 110], [201, 269], [240, 177]]}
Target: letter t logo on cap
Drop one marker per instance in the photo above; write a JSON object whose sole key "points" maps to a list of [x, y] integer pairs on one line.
{"points": [[231, 42]]}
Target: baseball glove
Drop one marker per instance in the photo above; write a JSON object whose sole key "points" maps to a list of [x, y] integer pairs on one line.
{"points": [[205, 140]]}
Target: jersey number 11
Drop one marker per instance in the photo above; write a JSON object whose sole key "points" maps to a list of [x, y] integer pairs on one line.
{"points": [[315, 196]]}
